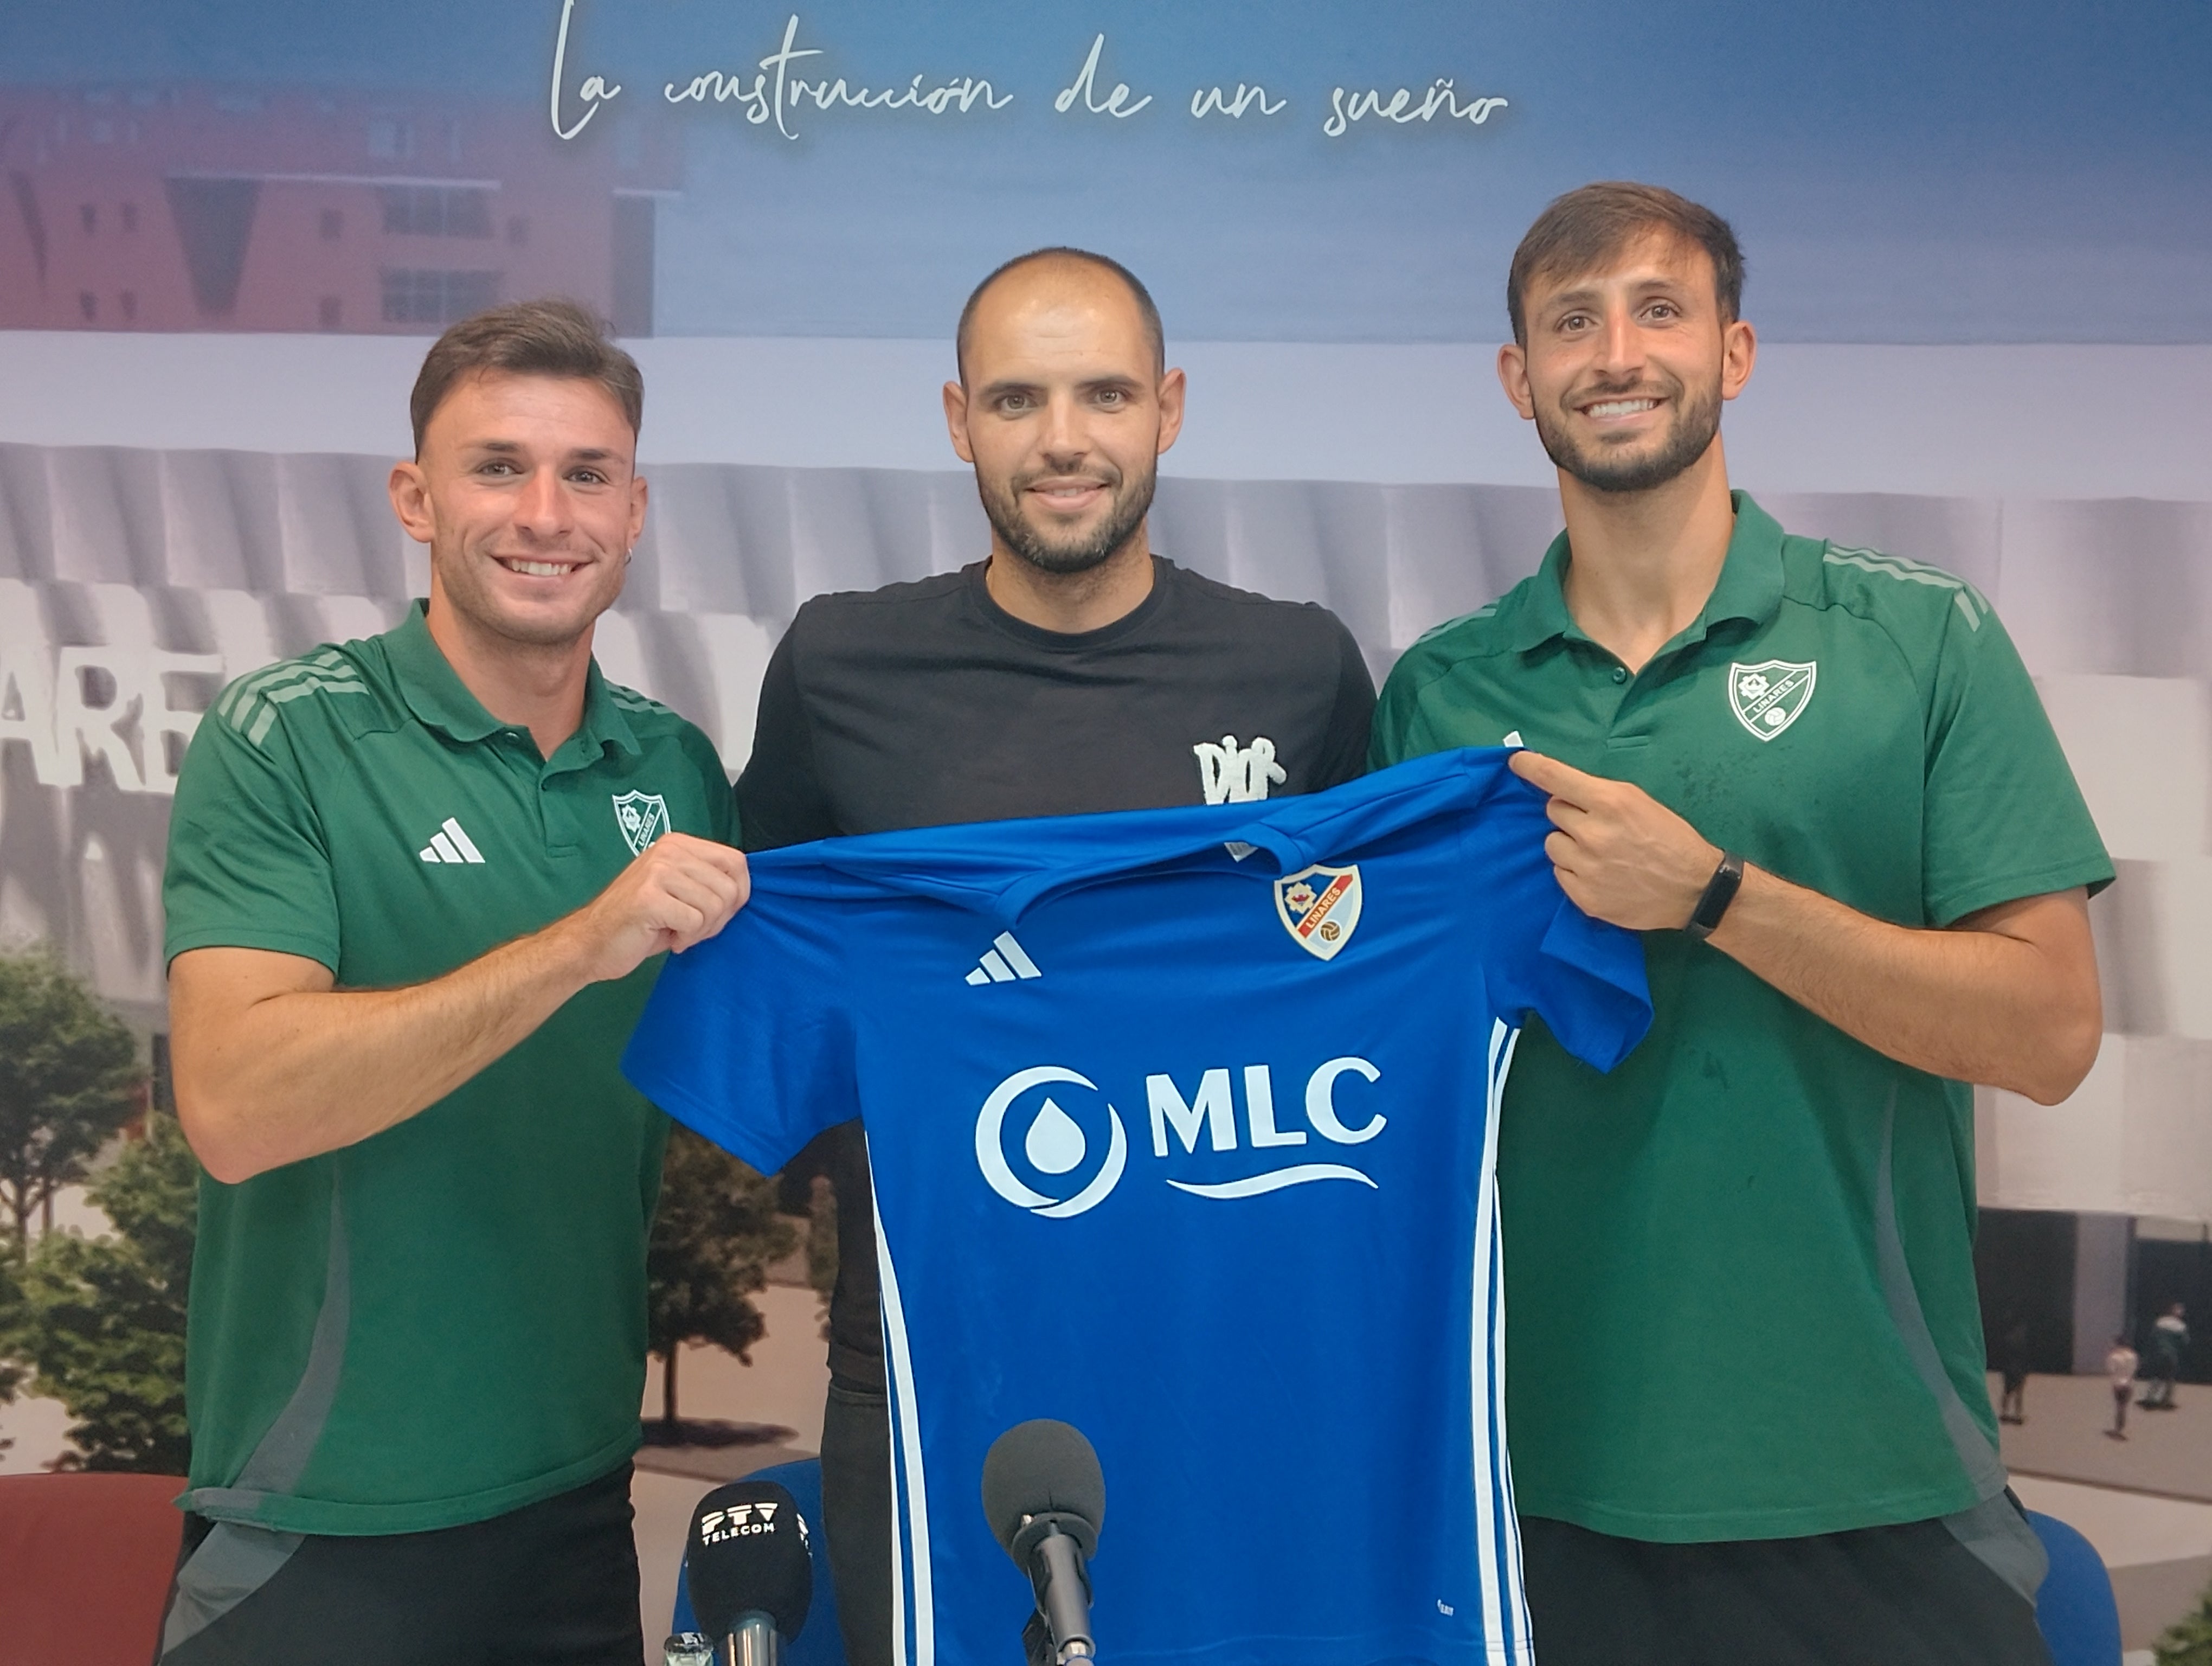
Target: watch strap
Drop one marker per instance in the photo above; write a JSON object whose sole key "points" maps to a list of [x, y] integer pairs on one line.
{"points": [[1720, 892]]}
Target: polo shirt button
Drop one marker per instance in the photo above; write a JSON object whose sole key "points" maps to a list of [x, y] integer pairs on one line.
{"points": [[1620, 674]]}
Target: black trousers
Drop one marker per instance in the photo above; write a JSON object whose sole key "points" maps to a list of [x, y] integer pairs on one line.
{"points": [[1909, 1595], [554, 1583], [856, 1518]]}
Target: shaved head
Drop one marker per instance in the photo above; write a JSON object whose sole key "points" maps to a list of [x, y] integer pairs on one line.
{"points": [[1044, 264]]}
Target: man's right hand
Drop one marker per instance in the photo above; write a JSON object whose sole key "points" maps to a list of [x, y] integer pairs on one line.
{"points": [[680, 891]]}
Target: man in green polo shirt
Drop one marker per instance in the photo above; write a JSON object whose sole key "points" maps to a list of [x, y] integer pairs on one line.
{"points": [[1745, 1362], [416, 889]]}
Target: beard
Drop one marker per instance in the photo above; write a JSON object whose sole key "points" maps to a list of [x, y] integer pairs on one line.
{"points": [[1077, 551], [1697, 420]]}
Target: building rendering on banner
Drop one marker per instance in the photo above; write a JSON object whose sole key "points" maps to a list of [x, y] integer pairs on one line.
{"points": [[198, 207]]}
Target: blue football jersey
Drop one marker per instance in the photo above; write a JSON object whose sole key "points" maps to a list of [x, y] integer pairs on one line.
{"points": [[1181, 1125]]}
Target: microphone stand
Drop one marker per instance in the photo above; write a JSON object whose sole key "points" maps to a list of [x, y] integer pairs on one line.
{"points": [[1063, 1609], [753, 1641]]}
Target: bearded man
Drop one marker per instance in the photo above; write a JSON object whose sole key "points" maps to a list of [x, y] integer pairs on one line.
{"points": [[1820, 782], [1071, 669]]}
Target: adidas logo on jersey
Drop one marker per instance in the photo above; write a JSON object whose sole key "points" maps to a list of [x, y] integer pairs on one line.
{"points": [[450, 844], [1004, 962]]}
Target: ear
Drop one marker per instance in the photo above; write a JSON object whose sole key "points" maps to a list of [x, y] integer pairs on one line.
{"points": [[1739, 351], [1171, 391], [956, 421], [410, 490], [1513, 377], [637, 495]]}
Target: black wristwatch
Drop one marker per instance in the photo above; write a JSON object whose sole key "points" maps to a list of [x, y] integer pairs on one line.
{"points": [[1720, 892]]}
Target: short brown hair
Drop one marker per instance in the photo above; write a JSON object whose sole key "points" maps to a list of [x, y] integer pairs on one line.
{"points": [[1145, 310], [1582, 229], [549, 337]]}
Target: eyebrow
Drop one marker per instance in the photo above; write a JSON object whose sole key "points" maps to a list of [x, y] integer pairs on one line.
{"points": [[512, 448], [1583, 295], [1014, 385]]}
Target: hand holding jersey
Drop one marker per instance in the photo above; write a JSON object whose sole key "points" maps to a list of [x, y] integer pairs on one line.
{"points": [[2005, 995]]}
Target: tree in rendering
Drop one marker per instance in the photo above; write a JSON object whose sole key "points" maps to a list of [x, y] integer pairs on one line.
{"points": [[716, 1236], [70, 1079], [103, 1318]]}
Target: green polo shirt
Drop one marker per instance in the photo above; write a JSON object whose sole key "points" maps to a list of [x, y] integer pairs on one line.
{"points": [[446, 1322], [1739, 1283]]}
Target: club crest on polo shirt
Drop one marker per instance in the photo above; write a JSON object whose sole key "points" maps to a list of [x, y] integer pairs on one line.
{"points": [[1769, 696], [642, 817], [1320, 909]]}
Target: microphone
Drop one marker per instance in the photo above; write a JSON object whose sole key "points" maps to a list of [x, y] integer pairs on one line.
{"points": [[750, 1575], [1045, 1496]]}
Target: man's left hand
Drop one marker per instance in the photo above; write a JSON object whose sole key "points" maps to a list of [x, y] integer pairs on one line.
{"points": [[1621, 856]]}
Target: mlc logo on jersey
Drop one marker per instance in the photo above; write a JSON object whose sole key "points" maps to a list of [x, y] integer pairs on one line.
{"points": [[1769, 696], [1055, 1144], [642, 817], [1059, 1142], [1320, 907]]}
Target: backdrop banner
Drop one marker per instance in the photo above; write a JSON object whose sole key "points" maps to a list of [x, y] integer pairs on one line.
{"points": [[1977, 248]]}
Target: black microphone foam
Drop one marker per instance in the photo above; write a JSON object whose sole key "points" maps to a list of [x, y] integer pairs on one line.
{"points": [[1040, 1473], [748, 1553]]}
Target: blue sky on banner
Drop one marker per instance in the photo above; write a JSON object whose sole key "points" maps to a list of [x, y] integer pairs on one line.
{"points": [[1900, 170]]}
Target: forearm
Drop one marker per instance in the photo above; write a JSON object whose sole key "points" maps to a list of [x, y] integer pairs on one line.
{"points": [[1981, 1004], [297, 1074]]}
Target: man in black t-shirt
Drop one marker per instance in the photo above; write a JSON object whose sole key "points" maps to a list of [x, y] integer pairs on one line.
{"points": [[1072, 670]]}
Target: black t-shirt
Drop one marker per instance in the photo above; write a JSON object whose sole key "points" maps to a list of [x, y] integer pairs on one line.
{"points": [[923, 704]]}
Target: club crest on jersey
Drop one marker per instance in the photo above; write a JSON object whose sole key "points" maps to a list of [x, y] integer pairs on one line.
{"points": [[1320, 909], [1769, 696], [642, 817]]}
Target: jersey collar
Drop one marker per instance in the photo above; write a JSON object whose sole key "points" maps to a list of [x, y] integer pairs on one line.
{"points": [[434, 691], [1749, 589]]}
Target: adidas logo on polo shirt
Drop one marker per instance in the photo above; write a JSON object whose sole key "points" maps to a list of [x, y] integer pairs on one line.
{"points": [[1004, 962], [450, 844]]}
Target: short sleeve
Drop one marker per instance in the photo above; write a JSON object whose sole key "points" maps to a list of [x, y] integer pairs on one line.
{"points": [[745, 1039], [1585, 978], [2004, 818], [1351, 720], [248, 865], [1589, 987], [779, 799], [715, 783]]}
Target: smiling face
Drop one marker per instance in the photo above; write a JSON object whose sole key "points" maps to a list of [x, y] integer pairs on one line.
{"points": [[1625, 367], [526, 491], [1063, 410]]}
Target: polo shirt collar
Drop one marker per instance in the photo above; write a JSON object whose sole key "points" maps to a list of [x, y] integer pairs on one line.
{"points": [[1749, 587], [434, 691]]}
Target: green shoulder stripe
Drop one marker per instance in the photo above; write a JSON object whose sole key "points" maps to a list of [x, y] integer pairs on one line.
{"points": [[254, 716], [1487, 610], [631, 700], [326, 659], [1968, 601]]}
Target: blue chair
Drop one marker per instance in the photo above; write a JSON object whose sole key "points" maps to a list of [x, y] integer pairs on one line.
{"points": [[819, 1643], [2074, 1609]]}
